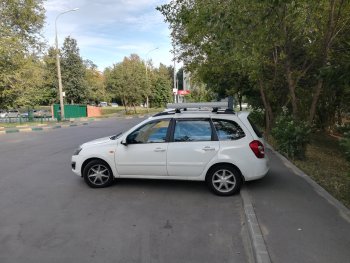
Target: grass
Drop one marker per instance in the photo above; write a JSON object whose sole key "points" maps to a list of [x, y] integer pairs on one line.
{"points": [[110, 111], [326, 164], [14, 124]]}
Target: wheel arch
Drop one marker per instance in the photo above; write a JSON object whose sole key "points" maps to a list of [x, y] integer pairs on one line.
{"points": [[93, 159], [224, 163]]}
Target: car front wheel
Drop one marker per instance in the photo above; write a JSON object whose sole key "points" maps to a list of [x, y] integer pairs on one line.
{"points": [[98, 174], [224, 180]]}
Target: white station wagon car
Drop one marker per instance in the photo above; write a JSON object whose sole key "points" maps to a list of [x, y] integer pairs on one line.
{"points": [[220, 147]]}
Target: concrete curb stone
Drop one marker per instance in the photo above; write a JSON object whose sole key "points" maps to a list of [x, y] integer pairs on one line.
{"points": [[258, 246], [26, 129]]}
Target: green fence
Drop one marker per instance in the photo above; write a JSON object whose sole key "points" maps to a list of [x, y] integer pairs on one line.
{"points": [[71, 111]]}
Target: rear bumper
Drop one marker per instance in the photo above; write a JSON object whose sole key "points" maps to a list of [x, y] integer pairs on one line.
{"points": [[261, 168]]}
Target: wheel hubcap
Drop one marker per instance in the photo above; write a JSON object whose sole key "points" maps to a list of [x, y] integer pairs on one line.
{"points": [[224, 181], [98, 174]]}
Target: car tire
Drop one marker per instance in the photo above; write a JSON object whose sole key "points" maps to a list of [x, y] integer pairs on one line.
{"points": [[224, 180], [98, 174]]}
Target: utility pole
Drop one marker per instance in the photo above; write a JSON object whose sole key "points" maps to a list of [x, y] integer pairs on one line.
{"points": [[175, 86], [58, 63]]}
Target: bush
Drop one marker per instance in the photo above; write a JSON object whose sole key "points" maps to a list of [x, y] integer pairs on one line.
{"points": [[345, 144], [291, 136], [258, 117], [344, 128]]}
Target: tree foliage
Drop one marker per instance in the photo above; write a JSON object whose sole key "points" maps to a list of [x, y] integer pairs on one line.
{"points": [[276, 53], [73, 72], [20, 42], [161, 88], [127, 81], [95, 83]]}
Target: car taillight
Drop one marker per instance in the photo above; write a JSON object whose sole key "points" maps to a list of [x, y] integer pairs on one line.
{"points": [[257, 148]]}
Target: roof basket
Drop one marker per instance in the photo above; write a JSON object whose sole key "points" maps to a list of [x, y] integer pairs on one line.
{"points": [[199, 105]]}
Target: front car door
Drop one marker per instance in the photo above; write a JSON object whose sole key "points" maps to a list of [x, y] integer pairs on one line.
{"points": [[145, 152], [192, 147]]}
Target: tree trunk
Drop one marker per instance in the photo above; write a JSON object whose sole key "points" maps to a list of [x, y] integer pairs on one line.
{"points": [[333, 16], [147, 101], [291, 86], [268, 110], [315, 98], [125, 106]]}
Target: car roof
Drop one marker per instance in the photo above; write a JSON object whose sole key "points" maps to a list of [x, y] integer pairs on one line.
{"points": [[195, 114]]}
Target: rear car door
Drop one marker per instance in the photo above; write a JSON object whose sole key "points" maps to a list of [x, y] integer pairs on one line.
{"points": [[192, 146]]}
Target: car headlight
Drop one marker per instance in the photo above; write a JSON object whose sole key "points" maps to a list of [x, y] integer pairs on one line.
{"points": [[77, 151]]}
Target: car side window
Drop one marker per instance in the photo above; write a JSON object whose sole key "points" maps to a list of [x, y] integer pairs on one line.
{"points": [[228, 130], [152, 132], [192, 131]]}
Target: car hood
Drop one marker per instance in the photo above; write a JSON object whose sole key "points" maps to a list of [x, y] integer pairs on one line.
{"points": [[103, 140]]}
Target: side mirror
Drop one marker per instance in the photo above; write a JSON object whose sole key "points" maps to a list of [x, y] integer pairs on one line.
{"points": [[124, 142]]}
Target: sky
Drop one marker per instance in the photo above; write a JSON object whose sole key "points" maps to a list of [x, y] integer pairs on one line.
{"points": [[108, 30]]}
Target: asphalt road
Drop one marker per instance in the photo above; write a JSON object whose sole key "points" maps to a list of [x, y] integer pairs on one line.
{"points": [[48, 214]]}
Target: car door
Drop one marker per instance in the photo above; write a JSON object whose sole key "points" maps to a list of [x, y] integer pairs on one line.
{"points": [[192, 147], [144, 153]]}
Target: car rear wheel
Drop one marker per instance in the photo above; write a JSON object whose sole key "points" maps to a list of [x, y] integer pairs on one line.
{"points": [[224, 180], [98, 174]]}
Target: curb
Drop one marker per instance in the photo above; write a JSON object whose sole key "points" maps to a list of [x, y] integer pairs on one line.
{"points": [[343, 210], [43, 128], [258, 246]]}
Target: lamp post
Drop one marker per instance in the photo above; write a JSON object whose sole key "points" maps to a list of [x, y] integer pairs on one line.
{"points": [[175, 79], [147, 72], [58, 64]]}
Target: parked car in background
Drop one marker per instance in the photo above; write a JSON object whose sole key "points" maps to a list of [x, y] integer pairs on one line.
{"points": [[10, 114], [103, 104], [114, 105], [2, 113], [42, 113], [37, 114]]}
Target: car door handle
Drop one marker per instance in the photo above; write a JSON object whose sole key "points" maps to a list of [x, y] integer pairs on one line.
{"points": [[159, 149], [208, 148]]}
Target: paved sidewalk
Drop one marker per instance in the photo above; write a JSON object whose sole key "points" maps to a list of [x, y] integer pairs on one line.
{"points": [[298, 224]]}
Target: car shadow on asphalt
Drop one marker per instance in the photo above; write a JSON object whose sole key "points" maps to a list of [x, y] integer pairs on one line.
{"points": [[162, 185]]}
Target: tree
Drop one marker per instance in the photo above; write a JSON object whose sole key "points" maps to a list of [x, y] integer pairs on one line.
{"points": [[278, 49], [127, 81], [73, 72], [95, 83], [50, 75], [20, 26], [161, 88]]}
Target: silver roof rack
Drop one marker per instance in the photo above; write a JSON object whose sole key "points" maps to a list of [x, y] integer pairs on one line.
{"points": [[199, 105]]}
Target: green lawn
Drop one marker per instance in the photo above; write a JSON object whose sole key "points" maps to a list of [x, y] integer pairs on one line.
{"points": [[14, 124], [110, 111], [326, 164]]}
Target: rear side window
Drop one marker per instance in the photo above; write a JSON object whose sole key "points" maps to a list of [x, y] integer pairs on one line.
{"points": [[228, 130], [255, 128], [192, 131]]}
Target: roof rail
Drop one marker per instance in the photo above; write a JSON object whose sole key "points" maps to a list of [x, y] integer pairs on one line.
{"points": [[198, 105]]}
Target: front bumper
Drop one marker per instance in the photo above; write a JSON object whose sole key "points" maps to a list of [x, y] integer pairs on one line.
{"points": [[76, 165]]}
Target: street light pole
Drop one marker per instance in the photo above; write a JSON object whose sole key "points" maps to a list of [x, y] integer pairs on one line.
{"points": [[175, 86], [147, 73], [58, 64]]}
